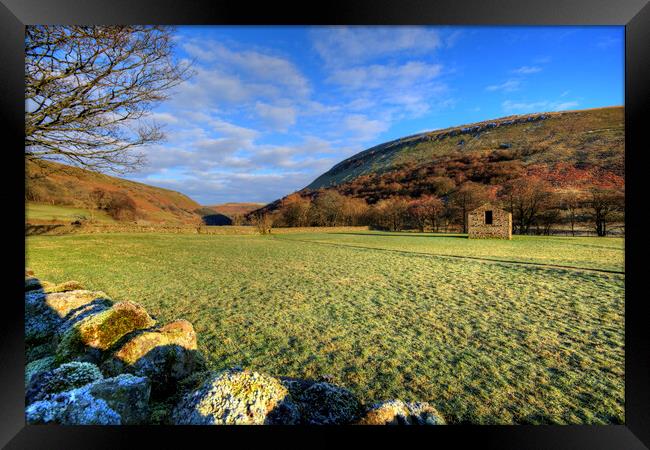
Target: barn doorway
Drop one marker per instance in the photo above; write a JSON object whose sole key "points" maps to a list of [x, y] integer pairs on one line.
{"points": [[488, 217]]}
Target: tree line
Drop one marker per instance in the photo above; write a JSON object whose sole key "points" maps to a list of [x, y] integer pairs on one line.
{"points": [[537, 207]]}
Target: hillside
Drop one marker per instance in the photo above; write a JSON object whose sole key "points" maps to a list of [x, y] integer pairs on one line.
{"points": [[57, 191], [593, 136], [558, 146]]}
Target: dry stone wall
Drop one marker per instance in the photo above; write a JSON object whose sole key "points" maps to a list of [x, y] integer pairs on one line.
{"points": [[93, 361], [60, 229]]}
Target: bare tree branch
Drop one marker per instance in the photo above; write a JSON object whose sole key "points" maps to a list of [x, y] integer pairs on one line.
{"points": [[89, 89]]}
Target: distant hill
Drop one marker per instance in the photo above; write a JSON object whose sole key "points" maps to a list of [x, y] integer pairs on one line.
{"points": [[230, 209], [551, 144], [70, 187]]}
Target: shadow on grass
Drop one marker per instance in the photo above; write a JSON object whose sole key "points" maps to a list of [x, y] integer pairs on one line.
{"points": [[386, 234]]}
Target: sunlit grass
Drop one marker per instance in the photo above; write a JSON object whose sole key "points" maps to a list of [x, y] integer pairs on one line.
{"points": [[486, 342], [580, 252], [45, 212]]}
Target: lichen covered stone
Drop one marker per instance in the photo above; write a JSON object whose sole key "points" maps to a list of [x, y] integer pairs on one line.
{"points": [[38, 366], [47, 316], [35, 352], [64, 304], [396, 412], [41, 323], [326, 404], [76, 407], [64, 378], [127, 395], [62, 287], [89, 338], [236, 397], [35, 284], [165, 356], [121, 400]]}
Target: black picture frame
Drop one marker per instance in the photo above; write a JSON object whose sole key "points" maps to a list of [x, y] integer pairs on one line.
{"points": [[633, 14]]}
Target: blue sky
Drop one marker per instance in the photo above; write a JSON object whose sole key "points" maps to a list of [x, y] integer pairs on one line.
{"points": [[271, 108]]}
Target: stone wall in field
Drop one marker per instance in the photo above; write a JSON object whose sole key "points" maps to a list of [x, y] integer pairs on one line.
{"points": [[59, 229], [93, 361], [500, 228]]}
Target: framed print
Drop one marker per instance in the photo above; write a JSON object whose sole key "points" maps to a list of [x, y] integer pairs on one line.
{"points": [[375, 219]]}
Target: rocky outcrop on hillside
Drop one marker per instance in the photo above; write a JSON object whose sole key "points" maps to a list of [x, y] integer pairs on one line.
{"points": [[91, 361]]}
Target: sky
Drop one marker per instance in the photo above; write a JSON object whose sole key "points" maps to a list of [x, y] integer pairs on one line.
{"points": [[271, 108]]}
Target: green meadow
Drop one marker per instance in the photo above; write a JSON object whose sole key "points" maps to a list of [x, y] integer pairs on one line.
{"points": [[491, 332], [43, 212]]}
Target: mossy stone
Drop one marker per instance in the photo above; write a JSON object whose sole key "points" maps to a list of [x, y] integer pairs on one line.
{"points": [[94, 335], [165, 355]]}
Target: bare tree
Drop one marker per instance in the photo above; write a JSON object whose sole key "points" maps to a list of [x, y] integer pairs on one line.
{"points": [[526, 198], [418, 214], [295, 210], [571, 202], [391, 213], [426, 209], [88, 90], [605, 203], [465, 198], [263, 222], [327, 208], [237, 219], [353, 211]]}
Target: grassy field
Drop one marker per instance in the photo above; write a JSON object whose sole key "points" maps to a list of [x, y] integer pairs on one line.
{"points": [[38, 212], [386, 314]]}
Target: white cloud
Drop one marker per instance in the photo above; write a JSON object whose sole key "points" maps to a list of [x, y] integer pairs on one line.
{"points": [[525, 70], [507, 86], [542, 60], [382, 76], [277, 117], [342, 46], [394, 91], [163, 117], [363, 128], [259, 66], [564, 106], [544, 105], [231, 78], [609, 42]]}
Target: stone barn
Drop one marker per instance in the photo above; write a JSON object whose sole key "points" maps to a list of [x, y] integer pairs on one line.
{"points": [[488, 221]]}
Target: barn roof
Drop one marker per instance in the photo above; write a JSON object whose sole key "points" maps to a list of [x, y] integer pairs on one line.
{"points": [[487, 205]]}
